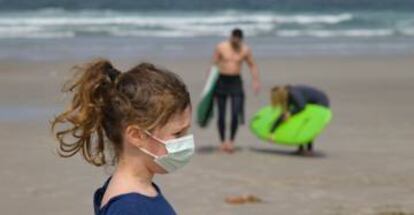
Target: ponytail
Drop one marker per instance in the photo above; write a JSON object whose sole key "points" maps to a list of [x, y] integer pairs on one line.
{"points": [[93, 88]]}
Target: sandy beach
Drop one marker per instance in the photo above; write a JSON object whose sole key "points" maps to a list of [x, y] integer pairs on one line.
{"points": [[364, 163]]}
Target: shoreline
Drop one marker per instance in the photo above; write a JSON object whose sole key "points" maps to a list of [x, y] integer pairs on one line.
{"points": [[50, 50]]}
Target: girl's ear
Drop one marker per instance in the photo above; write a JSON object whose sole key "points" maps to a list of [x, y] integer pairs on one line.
{"points": [[134, 135]]}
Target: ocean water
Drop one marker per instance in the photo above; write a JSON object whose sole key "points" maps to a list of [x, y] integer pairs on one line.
{"points": [[73, 29], [59, 23]]}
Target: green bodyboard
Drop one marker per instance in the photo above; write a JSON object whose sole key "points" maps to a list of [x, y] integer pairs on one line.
{"points": [[299, 129], [205, 106]]}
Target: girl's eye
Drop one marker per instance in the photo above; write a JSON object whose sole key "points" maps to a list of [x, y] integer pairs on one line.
{"points": [[180, 133]]}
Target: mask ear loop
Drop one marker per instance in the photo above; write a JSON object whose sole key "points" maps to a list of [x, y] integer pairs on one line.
{"points": [[149, 153], [153, 137], [146, 151]]}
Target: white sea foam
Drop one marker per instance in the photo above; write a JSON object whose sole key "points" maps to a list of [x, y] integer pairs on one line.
{"points": [[55, 22], [336, 33], [407, 31]]}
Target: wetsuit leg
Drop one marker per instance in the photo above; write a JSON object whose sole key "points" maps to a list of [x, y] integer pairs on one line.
{"points": [[221, 122], [236, 108], [310, 146]]}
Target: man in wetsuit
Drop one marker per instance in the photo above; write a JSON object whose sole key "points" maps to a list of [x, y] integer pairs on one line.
{"points": [[229, 56]]}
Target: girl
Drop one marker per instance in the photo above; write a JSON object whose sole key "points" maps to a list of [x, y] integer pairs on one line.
{"points": [[143, 115], [293, 100]]}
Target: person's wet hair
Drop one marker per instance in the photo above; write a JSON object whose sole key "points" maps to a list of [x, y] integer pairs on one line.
{"points": [[279, 97], [106, 101], [237, 33]]}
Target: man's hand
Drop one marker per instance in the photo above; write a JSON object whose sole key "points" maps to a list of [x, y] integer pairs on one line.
{"points": [[256, 87], [255, 72]]}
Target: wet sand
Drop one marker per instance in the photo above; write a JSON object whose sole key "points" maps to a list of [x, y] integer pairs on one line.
{"points": [[364, 163]]}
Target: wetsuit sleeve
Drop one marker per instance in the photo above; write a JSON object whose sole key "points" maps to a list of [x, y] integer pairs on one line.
{"points": [[297, 101], [277, 123]]}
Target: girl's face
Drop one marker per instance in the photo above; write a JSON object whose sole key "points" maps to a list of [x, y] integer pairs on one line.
{"points": [[176, 127]]}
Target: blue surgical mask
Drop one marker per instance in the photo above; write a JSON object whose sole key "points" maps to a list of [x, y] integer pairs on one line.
{"points": [[179, 152]]}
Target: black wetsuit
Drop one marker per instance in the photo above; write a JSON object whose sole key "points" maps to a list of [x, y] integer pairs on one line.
{"points": [[298, 97], [229, 86]]}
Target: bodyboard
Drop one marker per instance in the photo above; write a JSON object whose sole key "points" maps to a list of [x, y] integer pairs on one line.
{"points": [[205, 106], [297, 130]]}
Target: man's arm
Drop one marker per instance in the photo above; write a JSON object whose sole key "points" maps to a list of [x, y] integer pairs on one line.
{"points": [[215, 59], [216, 55], [253, 70]]}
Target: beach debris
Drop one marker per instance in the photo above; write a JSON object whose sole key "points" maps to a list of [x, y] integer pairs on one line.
{"points": [[248, 198]]}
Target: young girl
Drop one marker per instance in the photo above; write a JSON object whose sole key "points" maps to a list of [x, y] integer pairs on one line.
{"points": [[293, 100], [142, 115]]}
